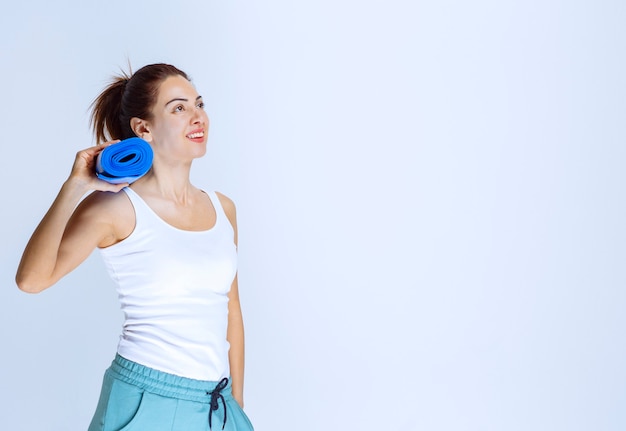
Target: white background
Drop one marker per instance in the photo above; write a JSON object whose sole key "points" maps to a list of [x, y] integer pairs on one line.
{"points": [[430, 200]]}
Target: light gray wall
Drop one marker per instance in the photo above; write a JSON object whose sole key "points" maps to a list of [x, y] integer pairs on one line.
{"points": [[430, 200]]}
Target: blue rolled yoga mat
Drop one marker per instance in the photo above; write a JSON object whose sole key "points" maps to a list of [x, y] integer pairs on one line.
{"points": [[125, 161]]}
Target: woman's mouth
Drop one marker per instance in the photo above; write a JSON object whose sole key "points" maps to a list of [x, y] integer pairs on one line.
{"points": [[196, 135]]}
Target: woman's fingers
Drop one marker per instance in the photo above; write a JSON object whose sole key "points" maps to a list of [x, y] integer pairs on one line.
{"points": [[83, 169], [108, 187], [107, 143]]}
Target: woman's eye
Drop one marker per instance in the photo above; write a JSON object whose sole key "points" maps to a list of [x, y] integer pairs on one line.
{"points": [[201, 105], [179, 108]]}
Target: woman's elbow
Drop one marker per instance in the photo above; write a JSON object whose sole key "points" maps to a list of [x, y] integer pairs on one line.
{"points": [[28, 285]]}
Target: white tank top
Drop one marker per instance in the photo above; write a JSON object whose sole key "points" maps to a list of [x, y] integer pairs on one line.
{"points": [[173, 286]]}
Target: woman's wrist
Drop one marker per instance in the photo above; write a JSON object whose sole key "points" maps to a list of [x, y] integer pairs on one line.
{"points": [[75, 187]]}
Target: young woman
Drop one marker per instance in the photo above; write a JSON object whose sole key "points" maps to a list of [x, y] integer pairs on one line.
{"points": [[170, 248]]}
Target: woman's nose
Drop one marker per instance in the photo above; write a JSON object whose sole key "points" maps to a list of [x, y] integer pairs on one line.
{"points": [[197, 116]]}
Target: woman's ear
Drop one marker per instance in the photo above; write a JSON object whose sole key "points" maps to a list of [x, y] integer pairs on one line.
{"points": [[141, 128]]}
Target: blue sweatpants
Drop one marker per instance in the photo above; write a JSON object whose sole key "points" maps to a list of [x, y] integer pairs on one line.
{"points": [[138, 398]]}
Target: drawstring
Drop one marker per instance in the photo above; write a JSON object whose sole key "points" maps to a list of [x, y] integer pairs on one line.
{"points": [[215, 397]]}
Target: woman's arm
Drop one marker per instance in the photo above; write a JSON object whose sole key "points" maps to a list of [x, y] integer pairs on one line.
{"points": [[65, 236], [235, 334]]}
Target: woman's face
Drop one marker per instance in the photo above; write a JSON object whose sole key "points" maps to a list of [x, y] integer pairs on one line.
{"points": [[179, 126]]}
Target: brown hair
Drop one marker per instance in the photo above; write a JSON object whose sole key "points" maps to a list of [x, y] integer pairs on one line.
{"points": [[128, 96]]}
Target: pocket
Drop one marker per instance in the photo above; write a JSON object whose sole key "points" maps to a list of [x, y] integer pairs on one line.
{"points": [[153, 413], [245, 416], [242, 419], [123, 405]]}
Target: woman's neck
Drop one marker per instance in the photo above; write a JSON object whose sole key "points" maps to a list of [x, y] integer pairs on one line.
{"points": [[169, 182]]}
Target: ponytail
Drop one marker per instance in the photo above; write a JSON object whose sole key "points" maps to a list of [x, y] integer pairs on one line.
{"points": [[106, 111]]}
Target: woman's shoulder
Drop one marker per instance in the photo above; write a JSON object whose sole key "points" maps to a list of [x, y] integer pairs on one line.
{"points": [[226, 202], [110, 208], [106, 202], [229, 208]]}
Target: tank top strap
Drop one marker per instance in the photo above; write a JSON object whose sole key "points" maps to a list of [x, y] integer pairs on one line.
{"points": [[142, 210], [217, 205], [140, 206]]}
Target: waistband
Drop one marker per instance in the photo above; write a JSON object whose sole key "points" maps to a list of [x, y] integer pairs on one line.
{"points": [[166, 384]]}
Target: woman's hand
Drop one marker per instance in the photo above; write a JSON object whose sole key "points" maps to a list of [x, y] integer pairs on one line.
{"points": [[83, 170]]}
